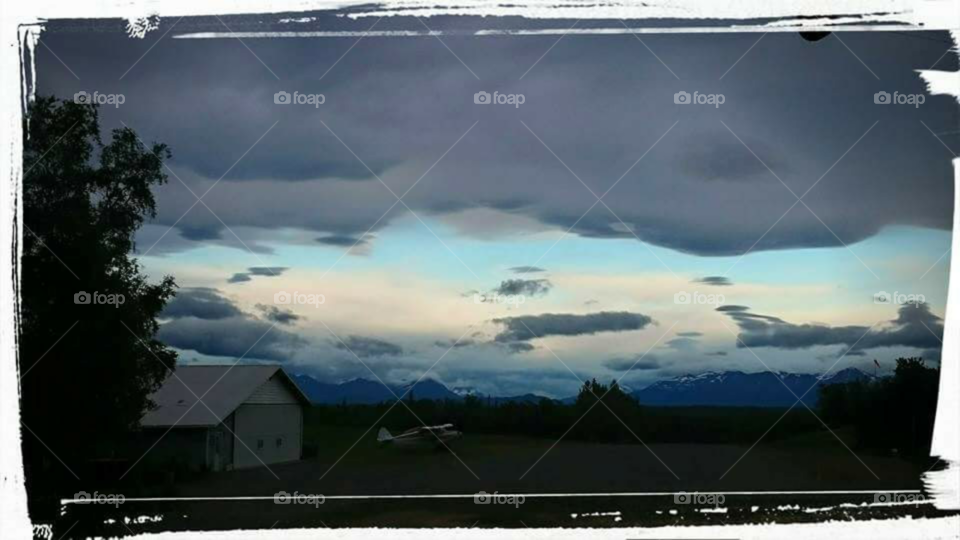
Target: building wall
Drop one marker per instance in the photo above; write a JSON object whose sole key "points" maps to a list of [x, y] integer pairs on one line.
{"points": [[269, 424], [220, 443], [270, 433]]}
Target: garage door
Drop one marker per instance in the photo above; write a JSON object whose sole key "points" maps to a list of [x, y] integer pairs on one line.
{"points": [[270, 434]]}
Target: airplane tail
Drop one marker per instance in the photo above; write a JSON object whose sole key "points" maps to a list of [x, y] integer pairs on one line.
{"points": [[383, 435]]}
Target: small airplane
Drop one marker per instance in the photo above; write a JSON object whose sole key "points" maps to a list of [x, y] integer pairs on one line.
{"points": [[421, 436]]}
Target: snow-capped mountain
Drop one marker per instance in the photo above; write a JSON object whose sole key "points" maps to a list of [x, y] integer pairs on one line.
{"points": [[735, 388], [726, 388]]}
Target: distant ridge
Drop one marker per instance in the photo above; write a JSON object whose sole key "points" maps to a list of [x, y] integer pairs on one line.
{"points": [[738, 389], [727, 388]]}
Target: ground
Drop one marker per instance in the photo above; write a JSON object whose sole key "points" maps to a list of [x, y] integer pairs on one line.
{"points": [[497, 463]]}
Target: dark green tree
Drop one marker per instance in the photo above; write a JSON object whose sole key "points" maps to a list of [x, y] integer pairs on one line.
{"points": [[86, 368]]}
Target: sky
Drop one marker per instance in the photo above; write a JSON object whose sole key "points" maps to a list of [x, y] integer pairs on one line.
{"points": [[599, 228]]}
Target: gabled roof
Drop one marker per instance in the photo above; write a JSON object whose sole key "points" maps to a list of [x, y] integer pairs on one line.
{"points": [[221, 387]]}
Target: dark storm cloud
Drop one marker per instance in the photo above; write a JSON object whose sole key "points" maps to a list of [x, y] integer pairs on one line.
{"points": [[528, 327], [401, 106], [201, 303], [207, 322], [342, 240], [278, 315], [454, 344], [518, 347], [365, 347], [263, 271], [716, 281], [730, 160], [526, 287], [690, 334], [234, 337], [915, 326], [526, 269], [629, 364]]}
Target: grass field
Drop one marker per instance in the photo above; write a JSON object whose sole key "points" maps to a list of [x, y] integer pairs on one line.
{"points": [[349, 462]]}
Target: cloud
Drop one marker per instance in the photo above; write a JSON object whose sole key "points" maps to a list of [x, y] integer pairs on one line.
{"points": [[690, 334], [454, 344], [526, 287], [239, 278], [716, 281], [527, 327], [205, 321], [526, 269], [518, 347], [357, 245], [234, 337], [628, 364], [681, 344], [201, 303], [278, 315], [915, 326], [366, 347], [703, 192], [717, 353], [263, 271]]}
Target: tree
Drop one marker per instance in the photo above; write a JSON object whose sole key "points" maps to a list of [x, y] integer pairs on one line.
{"points": [[609, 421], [86, 368], [895, 412]]}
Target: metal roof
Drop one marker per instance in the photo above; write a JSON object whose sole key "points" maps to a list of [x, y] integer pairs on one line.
{"points": [[221, 387]]}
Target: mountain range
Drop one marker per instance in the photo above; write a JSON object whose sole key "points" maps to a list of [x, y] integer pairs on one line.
{"points": [[727, 388]]}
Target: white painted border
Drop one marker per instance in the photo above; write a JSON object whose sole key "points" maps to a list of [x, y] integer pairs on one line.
{"points": [[860, 15]]}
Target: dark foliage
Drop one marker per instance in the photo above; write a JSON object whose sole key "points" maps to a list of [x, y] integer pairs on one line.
{"points": [[891, 413], [86, 369]]}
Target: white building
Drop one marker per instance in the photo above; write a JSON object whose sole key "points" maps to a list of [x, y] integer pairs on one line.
{"points": [[250, 415]]}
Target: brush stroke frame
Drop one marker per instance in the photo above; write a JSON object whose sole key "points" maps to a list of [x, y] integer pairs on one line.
{"points": [[23, 22]]}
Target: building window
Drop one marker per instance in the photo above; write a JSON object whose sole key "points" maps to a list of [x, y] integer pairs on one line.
{"points": [[279, 442], [259, 444]]}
